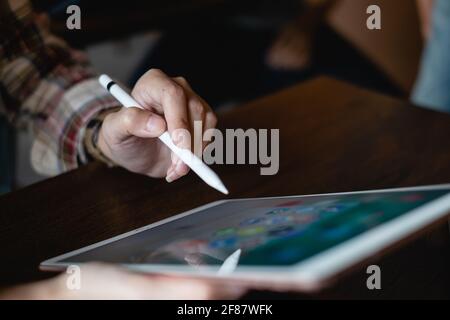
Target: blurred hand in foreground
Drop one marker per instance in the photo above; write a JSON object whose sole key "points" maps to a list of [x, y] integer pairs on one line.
{"points": [[101, 281]]}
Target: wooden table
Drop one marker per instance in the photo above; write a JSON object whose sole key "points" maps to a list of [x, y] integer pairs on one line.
{"points": [[333, 136]]}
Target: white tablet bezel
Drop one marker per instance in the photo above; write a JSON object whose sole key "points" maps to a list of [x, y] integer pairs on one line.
{"points": [[309, 274]]}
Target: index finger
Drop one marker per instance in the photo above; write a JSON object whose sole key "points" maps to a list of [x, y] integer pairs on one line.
{"points": [[174, 107]]}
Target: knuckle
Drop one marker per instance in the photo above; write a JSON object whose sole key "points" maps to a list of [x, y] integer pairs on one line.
{"points": [[197, 107], [174, 91], [181, 80], [182, 124], [154, 71]]}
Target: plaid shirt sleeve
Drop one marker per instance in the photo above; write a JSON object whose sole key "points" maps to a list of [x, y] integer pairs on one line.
{"points": [[46, 84]]}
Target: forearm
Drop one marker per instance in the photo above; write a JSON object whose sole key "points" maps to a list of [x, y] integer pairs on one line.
{"points": [[49, 86]]}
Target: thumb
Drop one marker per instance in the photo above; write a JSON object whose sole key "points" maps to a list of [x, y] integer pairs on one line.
{"points": [[134, 122]]}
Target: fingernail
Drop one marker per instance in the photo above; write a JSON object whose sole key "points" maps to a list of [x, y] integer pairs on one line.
{"points": [[171, 177], [152, 124], [181, 138], [177, 137]]}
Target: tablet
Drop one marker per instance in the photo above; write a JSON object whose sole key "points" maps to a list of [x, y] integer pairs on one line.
{"points": [[295, 242]]}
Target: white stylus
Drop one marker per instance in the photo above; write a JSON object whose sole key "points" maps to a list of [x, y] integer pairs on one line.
{"points": [[197, 165], [230, 264]]}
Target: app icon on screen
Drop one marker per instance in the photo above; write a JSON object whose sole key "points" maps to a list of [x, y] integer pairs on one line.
{"points": [[252, 221], [304, 209], [225, 232], [248, 232], [278, 220], [248, 243], [305, 218], [223, 243], [282, 231], [278, 211], [339, 207]]}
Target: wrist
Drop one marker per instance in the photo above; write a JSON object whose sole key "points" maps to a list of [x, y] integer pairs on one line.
{"points": [[103, 146], [94, 141]]}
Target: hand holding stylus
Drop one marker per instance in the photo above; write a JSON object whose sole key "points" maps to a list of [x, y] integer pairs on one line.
{"points": [[136, 138]]}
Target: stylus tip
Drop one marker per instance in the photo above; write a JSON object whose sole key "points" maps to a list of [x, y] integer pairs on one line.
{"points": [[222, 189], [217, 184]]}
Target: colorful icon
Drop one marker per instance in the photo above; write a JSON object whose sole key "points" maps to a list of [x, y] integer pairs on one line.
{"points": [[324, 203], [278, 211], [282, 231], [225, 232], [304, 209], [278, 220], [339, 207], [190, 244], [225, 243], [250, 243], [304, 218], [252, 221], [248, 232]]}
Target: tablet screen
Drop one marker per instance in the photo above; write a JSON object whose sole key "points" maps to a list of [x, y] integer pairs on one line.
{"points": [[270, 232]]}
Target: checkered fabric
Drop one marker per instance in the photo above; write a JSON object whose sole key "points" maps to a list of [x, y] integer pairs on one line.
{"points": [[49, 86]]}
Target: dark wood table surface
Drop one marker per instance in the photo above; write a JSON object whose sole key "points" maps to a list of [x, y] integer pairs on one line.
{"points": [[333, 137]]}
